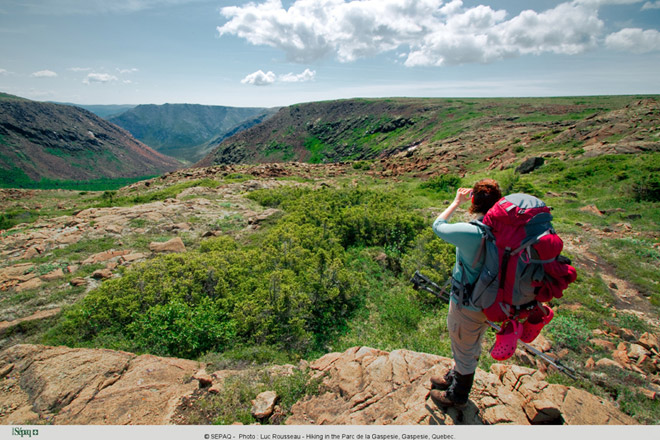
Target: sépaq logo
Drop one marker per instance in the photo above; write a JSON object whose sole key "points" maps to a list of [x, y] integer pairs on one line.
{"points": [[24, 432]]}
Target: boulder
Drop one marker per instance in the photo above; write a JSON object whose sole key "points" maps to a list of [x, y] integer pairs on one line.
{"points": [[105, 256], [69, 237], [636, 351], [78, 281], [530, 165], [54, 275], [259, 218], [102, 274], [650, 341], [602, 343], [129, 258], [621, 356], [32, 252], [42, 314], [591, 209], [543, 411], [173, 245], [205, 380], [114, 229], [30, 284], [263, 404], [605, 362]]}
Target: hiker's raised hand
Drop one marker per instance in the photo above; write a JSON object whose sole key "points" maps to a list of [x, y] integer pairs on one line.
{"points": [[463, 195]]}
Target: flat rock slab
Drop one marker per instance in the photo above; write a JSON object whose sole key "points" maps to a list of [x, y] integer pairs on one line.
{"points": [[67, 386], [367, 386]]}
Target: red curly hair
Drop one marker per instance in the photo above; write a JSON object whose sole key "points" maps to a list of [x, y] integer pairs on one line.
{"points": [[485, 194]]}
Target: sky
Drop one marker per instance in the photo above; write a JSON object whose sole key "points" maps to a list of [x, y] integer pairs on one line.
{"points": [[269, 53]]}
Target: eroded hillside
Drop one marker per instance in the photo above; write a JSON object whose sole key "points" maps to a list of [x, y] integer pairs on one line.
{"points": [[59, 142], [450, 131]]}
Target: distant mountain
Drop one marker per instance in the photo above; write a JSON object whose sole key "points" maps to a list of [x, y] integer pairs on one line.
{"points": [[104, 111], [187, 131], [45, 140], [430, 129]]}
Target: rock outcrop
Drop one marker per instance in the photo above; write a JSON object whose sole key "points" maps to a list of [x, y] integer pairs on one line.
{"points": [[367, 386], [67, 386], [362, 385]]}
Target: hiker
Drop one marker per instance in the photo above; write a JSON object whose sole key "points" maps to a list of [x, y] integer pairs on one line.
{"points": [[467, 325]]}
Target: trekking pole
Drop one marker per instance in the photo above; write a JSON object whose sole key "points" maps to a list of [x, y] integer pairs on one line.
{"points": [[420, 281]]}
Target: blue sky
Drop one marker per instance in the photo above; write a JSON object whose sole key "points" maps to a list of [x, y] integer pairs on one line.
{"points": [[271, 53]]}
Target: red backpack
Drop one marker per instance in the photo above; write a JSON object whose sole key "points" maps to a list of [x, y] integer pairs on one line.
{"points": [[522, 265]]}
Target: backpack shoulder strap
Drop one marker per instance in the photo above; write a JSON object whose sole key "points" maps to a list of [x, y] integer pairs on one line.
{"points": [[486, 234]]}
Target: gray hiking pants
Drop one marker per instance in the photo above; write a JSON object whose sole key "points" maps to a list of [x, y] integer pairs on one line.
{"points": [[466, 330]]}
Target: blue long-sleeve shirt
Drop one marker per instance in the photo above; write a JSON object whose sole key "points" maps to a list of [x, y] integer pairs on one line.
{"points": [[467, 239]]}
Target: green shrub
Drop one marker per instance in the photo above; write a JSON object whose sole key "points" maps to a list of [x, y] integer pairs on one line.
{"points": [[178, 329], [238, 357], [361, 165], [433, 257], [13, 217], [356, 217], [443, 182], [234, 402], [512, 182], [633, 322], [400, 312], [569, 331], [647, 188], [288, 290], [292, 288]]}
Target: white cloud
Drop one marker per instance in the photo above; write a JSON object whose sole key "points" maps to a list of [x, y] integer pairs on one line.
{"points": [[3, 72], [80, 69], [430, 32], [313, 29], [634, 40], [99, 78], [259, 78], [44, 74], [307, 75], [651, 5], [124, 71]]}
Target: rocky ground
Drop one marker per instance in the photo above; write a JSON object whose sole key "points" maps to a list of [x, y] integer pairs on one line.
{"points": [[55, 254], [362, 385]]}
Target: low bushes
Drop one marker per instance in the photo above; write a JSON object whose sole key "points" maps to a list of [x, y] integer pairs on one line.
{"points": [[290, 288]]}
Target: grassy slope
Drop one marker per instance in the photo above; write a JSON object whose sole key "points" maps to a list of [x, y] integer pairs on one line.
{"points": [[334, 131]]}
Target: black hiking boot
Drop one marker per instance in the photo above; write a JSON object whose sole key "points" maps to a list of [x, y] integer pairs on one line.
{"points": [[457, 395], [444, 382]]}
